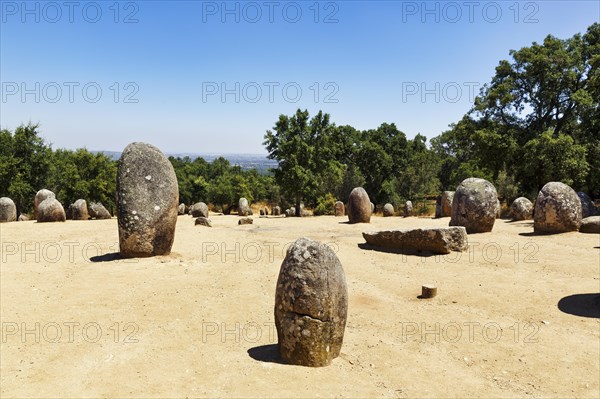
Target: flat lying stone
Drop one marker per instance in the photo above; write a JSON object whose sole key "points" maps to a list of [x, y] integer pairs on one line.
{"points": [[439, 240], [590, 225]]}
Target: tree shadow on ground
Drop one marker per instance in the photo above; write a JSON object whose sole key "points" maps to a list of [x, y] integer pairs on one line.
{"points": [[369, 247], [584, 305], [266, 353], [106, 257]]}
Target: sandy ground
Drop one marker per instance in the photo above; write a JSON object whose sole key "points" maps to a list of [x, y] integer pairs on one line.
{"points": [[77, 322]]}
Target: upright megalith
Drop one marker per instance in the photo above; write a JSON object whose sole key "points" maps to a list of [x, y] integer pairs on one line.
{"points": [[50, 210], [200, 210], [311, 304], [147, 198], [474, 205], [243, 207], [587, 206], [78, 210], [388, 210], [40, 196], [408, 209], [8, 210], [521, 209], [98, 211], [276, 210], [438, 206], [557, 209], [339, 208], [181, 209], [359, 206], [446, 203]]}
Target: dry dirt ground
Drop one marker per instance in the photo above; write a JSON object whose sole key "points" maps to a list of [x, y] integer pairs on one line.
{"points": [[510, 319]]}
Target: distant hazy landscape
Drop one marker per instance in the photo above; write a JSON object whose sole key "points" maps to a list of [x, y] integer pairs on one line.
{"points": [[259, 162]]}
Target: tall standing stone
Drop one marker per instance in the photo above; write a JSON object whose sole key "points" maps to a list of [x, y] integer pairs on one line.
{"points": [[147, 198], [339, 208], [276, 210], [438, 206], [243, 208], [40, 196], [447, 198], [359, 206], [311, 304], [408, 209], [8, 210], [557, 209], [474, 205]]}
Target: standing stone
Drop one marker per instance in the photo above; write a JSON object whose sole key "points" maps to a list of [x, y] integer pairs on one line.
{"points": [[474, 205], [277, 211], [50, 210], [262, 212], [339, 208], [39, 197], [311, 304], [200, 209], [438, 207], [557, 209], [521, 209], [587, 206], [181, 209], [359, 206], [243, 208], [498, 209], [147, 198], [408, 209], [79, 210], [446, 203], [98, 211], [388, 210], [8, 210], [23, 218]]}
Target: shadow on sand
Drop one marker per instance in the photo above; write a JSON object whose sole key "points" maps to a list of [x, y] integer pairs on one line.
{"points": [[266, 353], [369, 247], [584, 305], [106, 257]]}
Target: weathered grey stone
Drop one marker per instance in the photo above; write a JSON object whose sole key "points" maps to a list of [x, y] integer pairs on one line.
{"points": [[23, 218], [446, 203], [474, 205], [98, 211], [39, 197], [408, 208], [243, 208], [590, 224], [521, 209], [439, 240], [277, 211], [438, 206], [311, 304], [587, 206], [245, 220], [50, 210], [78, 210], [339, 208], [388, 210], [557, 209], [202, 221], [8, 210], [200, 209], [181, 209], [147, 198], [372, 208], [498, 209], [359, 206]]}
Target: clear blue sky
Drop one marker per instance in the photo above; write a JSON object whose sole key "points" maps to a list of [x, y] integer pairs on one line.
{"points": [[364, 62]]}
